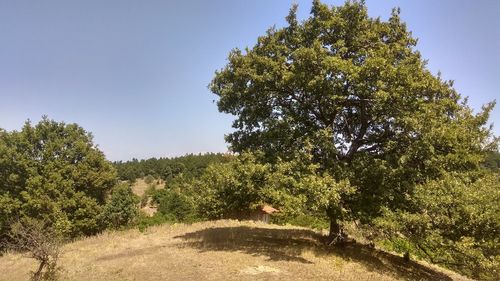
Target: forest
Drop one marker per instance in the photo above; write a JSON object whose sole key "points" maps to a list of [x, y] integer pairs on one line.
{"points": [[339, 125]]}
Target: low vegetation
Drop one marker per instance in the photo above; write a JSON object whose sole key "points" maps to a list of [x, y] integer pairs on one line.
{"points": [[40, 242]]}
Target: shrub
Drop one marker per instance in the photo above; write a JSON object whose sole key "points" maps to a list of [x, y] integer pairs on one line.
{"points": [[145, 221], [121, 209], [295, 187], [53, 172], [149, 179], [453, 221], [37, 240], [176, 205], [147, 194]]}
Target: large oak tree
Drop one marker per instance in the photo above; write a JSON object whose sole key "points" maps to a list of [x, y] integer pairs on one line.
{"points": [[358, 91]]}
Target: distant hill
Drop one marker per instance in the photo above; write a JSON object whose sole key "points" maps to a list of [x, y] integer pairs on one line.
{"points": [[223, 250]]}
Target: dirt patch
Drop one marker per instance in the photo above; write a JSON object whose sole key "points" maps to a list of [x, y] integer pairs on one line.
{"points": [[256, 270]]}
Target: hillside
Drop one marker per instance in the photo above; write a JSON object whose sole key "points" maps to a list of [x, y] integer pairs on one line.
{"points": [[139, 187], [223, 250]]}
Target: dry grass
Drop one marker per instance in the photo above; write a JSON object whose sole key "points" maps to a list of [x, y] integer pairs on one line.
{"points": [[223, 250]]}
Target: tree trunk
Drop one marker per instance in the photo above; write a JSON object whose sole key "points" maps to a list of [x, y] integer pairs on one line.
{"points": [[337, 234], [38, 274]]}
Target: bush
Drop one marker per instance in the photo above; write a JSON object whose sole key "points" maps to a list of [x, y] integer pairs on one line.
{"points": [[147, 194], [53, 172], [37, 240], [149, 179], [453, 221], [175, 205], [121, 209], [145, 221], [294, 187]]}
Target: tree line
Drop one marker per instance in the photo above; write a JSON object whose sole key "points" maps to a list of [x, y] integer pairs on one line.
{"points": [[190, 165]]}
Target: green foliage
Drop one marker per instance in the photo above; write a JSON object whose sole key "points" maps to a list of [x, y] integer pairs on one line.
{"points": [[168, 169], [175, 205], [149, 179], [400, 245], [356, 89], [53, 172], [294, 187], [315, 221], [148, 193], [121, 208], [145, 221], [492, 160], [454, 221]]}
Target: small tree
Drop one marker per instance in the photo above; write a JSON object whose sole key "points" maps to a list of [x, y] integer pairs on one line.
{"points": [[175, 205], [146, 197], [121, 208], [37, 240], [149, 179], [54, 172], [294, 187], [453, 221]]}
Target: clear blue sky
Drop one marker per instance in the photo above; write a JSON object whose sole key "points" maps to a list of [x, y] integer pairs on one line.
{"points": [[135, 73]]}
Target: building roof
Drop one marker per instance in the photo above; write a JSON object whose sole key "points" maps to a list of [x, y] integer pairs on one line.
{"points": [[268, 209]]}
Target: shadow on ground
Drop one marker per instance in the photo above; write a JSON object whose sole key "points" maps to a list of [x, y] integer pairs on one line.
{"points": [[130, 253], [289, 244]]}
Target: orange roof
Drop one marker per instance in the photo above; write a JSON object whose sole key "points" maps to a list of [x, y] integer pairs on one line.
{"points": [[268, 209]]}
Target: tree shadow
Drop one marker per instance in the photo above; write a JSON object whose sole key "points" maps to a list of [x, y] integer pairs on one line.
{"points": [[289, 244], [130, 253]]}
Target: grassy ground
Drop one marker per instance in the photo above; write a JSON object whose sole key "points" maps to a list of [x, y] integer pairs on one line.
{"points": [[223, 250]]}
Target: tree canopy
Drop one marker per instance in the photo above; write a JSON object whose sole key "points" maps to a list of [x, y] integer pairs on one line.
{"points": [[357, 90], [453, 221], [53, 172], [294, 187], [189, 165]]}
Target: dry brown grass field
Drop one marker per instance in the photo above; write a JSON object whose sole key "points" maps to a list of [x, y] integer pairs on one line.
{"points": [[223, 250]]}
